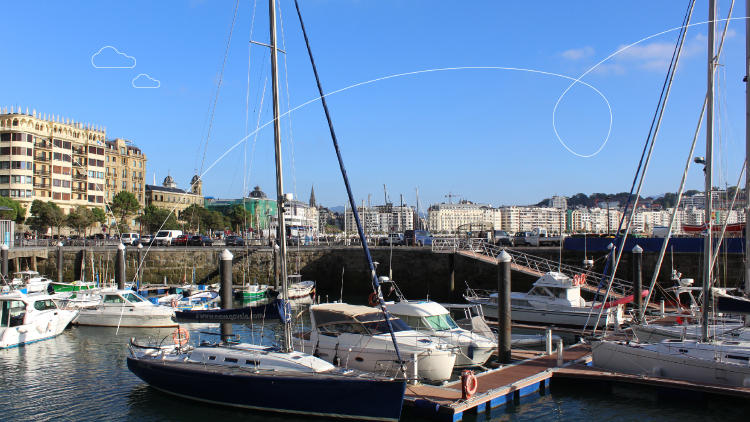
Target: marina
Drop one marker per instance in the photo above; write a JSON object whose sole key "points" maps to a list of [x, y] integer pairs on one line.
{"points": [[131, 301]]}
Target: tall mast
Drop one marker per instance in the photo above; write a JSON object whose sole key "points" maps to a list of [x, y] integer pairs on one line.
{"points": [[708, 248], [747, 147], [281, 234]]}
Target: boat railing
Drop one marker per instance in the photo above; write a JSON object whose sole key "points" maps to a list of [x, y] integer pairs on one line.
{"points": [[593, 281]]}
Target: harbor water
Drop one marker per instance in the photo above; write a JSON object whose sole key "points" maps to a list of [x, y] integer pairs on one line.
{"points": [[81, 375]]}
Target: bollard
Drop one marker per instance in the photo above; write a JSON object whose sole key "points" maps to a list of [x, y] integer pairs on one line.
{"points": [[120, 267], [4, 264], [503, 307], [139, 266], [638, 282], [60, 262], [225, 268], [559, 352], [415, 369], [452, 269], [548, 340]]}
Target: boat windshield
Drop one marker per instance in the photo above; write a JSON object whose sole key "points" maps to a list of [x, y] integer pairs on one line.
{"points": [[132, 297], [441, 322], [375, 324], [12, 313]]}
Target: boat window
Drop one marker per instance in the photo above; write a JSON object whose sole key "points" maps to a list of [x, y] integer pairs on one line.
{"points": [[113, 299], [344, 327], [12, 313], [132, 297], [739, 357], [43, 305], [212, 358], [381, 327], [230, 360], [252, 362], [441, 322]]}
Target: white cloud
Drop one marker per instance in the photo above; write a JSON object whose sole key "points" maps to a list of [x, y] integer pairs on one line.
{"points": [[143, 80], [578, 53], [109, 57], [655, 56]]}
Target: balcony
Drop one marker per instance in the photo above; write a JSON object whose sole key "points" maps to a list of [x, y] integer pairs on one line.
{"points": [[44, 145], [42, 185], [41, 172], [79, 151], [79, 177], [41, 158], [78, 189]]}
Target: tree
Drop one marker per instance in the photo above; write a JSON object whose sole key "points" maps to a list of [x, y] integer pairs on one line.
{"points": [[80, 219], [154, 218], [16, 213], [238, 216], [45, 215], [55, 216], [123, 204], [98, 215]]}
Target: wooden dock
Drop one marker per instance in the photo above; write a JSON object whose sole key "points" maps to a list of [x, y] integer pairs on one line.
{"points": [[496, 387]]}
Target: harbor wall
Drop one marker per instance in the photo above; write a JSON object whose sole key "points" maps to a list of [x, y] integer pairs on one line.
{"points": [[419, 272]]}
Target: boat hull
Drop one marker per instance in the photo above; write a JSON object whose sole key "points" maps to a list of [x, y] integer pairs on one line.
{"points": [[45, 327], [95, 318], [640, 361], [552, 317], [305, 394]]}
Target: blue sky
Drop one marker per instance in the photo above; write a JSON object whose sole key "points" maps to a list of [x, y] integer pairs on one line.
{"points": [[486, 135]]}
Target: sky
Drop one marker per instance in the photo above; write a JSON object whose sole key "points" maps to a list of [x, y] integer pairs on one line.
{"points": [[485, 135]]}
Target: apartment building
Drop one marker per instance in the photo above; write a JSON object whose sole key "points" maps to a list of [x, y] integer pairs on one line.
{"points": [[51, 159], [125, 169], [449, 218], [522, 219], [382, 218]]}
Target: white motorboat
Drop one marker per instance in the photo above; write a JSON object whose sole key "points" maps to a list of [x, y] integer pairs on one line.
{"points": [[78, 299], [357, 337], [299, 288], [433, 319], [554, 299], [31, 281], [720, 362], [125, 308], [29, 318]]}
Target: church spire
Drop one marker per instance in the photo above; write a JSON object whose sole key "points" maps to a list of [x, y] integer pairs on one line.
{"points": [[312, 197]]}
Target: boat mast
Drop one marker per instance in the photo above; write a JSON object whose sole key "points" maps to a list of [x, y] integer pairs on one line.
{"points": [[747, 147], [281, 233], [708, 248]]}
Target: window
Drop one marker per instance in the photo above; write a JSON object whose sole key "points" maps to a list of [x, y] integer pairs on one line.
{"points": [[113, 299], [66, 144], [230, 360], [124, 173], [43, 305], [56, 195], [18, 137], [4, 179], [212, 358], [4, 165], [13, 312], [29, 138], [132, 298], [57, 143], [122, 150], [124, 184], [441, 322], [66, 197], [5, 137]]}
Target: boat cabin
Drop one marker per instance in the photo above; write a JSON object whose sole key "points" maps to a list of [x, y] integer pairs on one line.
{"points": [[423, 315], [122, 298], [15, 306], [334, 319], [551, 287]]}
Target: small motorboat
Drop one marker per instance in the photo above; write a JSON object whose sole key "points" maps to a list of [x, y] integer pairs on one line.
{"points": [[30, 318], [31, 281], [125, 308]]}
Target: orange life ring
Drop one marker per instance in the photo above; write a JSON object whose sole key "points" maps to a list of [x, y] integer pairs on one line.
{"points": [[373, 299], [469, 384], [180, 337]]}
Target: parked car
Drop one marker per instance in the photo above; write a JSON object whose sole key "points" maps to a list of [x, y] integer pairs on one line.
{"points": [[200, 240], [417, 238], [521, 238], [395, 239], [181, 240], [503, 238], [146, 239], [130, 238], [233, 240], [165, 237]]}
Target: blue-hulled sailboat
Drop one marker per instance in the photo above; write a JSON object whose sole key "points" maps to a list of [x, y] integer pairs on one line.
{"points": [[267, 378]]}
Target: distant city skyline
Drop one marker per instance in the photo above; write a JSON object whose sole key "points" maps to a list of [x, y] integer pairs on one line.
{"points": [[484, 134]]}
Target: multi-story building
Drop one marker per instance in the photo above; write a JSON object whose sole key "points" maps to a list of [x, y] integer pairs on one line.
{"points": [[382, 219], [126, 169], [51, 159], [449, 218], [169, 196], [559, 202]]}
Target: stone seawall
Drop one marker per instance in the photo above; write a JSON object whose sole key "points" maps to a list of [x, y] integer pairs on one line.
{"points": [[419, 272]]}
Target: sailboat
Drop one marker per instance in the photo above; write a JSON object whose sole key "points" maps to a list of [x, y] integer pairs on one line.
{"points": [[266, 378], [723, 362]]}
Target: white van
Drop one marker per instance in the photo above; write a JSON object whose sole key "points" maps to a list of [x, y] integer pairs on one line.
{"points": [[130, 238], [165, 237]]}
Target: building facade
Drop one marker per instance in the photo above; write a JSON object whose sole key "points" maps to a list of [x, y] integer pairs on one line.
{"points": [[450, 218], [51, 159], [170, 197], [125, 171]]}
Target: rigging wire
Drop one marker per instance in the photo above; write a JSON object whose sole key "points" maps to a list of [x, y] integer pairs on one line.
{"points": [[656, 124]]}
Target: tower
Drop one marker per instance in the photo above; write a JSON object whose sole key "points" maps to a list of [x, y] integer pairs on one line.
{"points": [[312, 198], [196, 185]]}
